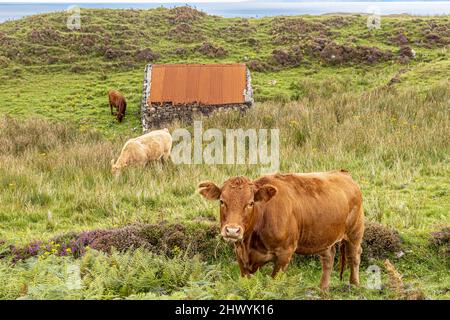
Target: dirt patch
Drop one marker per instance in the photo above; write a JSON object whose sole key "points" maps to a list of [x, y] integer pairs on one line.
{"points": [[440, 240], [209, 50], [379, 242]]}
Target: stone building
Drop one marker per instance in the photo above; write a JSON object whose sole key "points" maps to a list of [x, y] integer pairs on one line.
{"points": [[183, 91]]}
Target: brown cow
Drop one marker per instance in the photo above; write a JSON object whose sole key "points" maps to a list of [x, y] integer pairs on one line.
{"points": [[273, 217], [117, 100]]}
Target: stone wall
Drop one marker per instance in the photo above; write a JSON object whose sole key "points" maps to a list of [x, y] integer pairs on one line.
{"points": [[145, 94], [156, 116]]}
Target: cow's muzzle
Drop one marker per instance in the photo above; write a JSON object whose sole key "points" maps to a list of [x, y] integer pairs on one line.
{"points": [[232, 233]]}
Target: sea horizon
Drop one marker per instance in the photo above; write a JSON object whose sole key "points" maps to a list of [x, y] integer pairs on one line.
{"points": [[246, 9]]}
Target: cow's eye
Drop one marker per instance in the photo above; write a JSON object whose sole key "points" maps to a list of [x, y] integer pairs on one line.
{"points": [[222, 203]]}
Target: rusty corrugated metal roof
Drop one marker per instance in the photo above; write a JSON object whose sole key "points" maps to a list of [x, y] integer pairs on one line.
{"points": [[202, 83]]}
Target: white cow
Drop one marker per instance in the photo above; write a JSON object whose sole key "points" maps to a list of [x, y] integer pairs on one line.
{"points": [[155, 145]]}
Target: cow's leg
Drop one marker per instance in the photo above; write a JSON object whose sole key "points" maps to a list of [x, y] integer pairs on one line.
{"points": [[111, 105], [281, 261], [327, 259], [353, 256], [244, 272], [166, 155]]}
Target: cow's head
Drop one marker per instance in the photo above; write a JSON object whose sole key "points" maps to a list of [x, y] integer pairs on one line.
{"points": [[115, 169], [238, 198]]}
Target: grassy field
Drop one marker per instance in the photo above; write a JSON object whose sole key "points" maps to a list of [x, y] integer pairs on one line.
{"points": [[386, 121]]}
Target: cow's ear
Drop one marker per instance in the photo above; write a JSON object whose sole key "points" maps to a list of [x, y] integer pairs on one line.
{"points": [[265, 193], [209, 190]]}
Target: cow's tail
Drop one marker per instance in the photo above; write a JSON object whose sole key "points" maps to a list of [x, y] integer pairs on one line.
{"points": [[342, 258]]}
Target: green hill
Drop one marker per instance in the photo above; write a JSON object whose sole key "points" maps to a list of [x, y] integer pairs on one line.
{"points": [[375, 102], [57, 73]]}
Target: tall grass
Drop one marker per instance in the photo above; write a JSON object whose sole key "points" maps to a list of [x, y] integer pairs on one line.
{"points": [[395, 143]]}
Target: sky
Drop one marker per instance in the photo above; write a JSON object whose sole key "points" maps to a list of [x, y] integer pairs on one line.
{"points": [[195, 1], [125, 1], [10, 9]]}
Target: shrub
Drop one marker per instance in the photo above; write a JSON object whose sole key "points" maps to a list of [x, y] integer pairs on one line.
{"points": [[16, 71], [435, 35], [146, 55], [181, 51], [140, 271], [258, 66], [76, 68], [163, 238], [333, 53], [185, 33], [4, 61], [208, 49], [441, 240], [121, 239], [281, 58], [379, 241], [46, 36], [185, 14], [111, 53], [240, 30], [406, 51], [399, 39], [290, 30]]}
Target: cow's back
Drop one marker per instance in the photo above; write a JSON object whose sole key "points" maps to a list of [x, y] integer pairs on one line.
{"points": [[314, 210], [114, 96], [157, 143]]}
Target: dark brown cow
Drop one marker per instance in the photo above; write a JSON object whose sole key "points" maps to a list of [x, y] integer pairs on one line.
{"points": [[117, 100], [275, 216]]}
